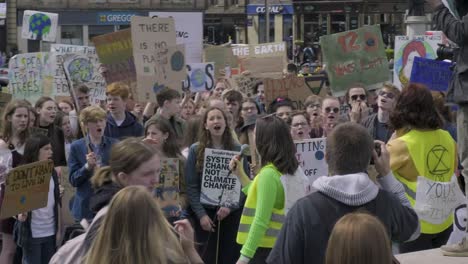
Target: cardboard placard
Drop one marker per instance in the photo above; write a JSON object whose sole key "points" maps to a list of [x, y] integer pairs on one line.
{"points": [[277, 49], [68, 193], [356, 56], [82, 66], [168, 189], [436, 201], [26, 188], [245, 83], [295, 88], [200, 77], [115, 52], [159, 61], [30, 76], [218, 188], [39, 26], [189, 32], [223, 59], [311, 156], [436, 75], [406, 49]]}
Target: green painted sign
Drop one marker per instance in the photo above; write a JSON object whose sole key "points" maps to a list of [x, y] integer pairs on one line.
{"points": [[355, 57]]}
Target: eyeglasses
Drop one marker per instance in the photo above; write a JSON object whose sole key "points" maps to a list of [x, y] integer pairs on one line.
{"points": [[303, 124], [361, 96], [387, 94], [334, 109]]}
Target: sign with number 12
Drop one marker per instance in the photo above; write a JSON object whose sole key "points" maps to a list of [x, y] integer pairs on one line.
{"points": [[356, 56]]}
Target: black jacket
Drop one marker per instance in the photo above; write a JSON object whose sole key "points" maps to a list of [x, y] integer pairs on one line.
{"points": [[305, 233]]}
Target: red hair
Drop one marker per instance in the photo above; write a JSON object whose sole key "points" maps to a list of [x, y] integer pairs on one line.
{"points": [[417, 46]]}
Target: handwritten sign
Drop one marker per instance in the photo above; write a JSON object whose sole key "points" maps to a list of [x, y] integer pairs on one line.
{"points": [[39, 26], [219, 189], [260, 50], [115, 52], [223, 59], [311, 156], [28, 76], [167, 190], [159, 62], [200, 77], [245, 83], [436, 201], [68, 194], [82, 67], [356, 56], [295, 88], [406, 49], [189, 32], [26, 188], [436, 75]]}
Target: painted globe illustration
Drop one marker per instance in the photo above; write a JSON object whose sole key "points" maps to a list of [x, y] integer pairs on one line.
{"points": [[198, 78], [177, 61], [81, 70], [39, 24]]}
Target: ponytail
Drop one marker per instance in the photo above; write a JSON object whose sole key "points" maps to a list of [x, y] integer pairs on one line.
{"points": [[101, 176]]}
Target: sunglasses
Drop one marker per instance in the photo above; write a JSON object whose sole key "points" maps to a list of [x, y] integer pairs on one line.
{"points": [[361, 96], [334, 110], [387, 94]]}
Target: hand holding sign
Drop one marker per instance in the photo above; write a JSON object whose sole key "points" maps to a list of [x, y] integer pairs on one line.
{"points": [[207, 224], [382, 161]]}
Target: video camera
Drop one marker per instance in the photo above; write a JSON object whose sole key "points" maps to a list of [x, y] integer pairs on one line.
{"points": [[447, 52]]}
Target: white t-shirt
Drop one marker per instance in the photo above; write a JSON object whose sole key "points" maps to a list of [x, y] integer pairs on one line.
{"points": [[119, 122], [42, 219]]}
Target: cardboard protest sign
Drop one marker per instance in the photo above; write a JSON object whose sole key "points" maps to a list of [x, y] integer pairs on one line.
{"points": [[115, 52], [436, 75], [223, 59], [26, 188], [406, 49], [219, 189], [39, 26], [82, 67], [30, 76], [245, 83], [311, 156], [167, 190], [295, 88], [68, 193], [356, 56], [200, 77], [189, 32], [159, 61], [436, 201]]}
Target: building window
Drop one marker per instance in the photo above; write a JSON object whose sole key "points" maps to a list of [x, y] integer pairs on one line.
{"points": [[98, 30], [72, 35], [261, 28]]}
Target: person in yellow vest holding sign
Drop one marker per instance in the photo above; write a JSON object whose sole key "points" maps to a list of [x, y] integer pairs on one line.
{"points": [[423, 158], [278, 185]]}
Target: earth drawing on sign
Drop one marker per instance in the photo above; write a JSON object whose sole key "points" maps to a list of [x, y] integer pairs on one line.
{"points": [[40, 25]]}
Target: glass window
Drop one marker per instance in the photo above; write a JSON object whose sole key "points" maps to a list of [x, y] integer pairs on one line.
{"points": [[72, 35], [94, 31], [261, 28]]}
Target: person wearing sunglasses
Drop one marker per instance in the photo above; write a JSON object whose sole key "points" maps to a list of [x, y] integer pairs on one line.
{"points": [[378, 124], [330, 115], [356, 96]]}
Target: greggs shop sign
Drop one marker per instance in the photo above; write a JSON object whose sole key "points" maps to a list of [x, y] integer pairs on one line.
{"points": [[115, 18]]}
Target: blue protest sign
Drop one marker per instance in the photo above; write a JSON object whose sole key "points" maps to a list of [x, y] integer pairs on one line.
{"points": [[434, 74]]}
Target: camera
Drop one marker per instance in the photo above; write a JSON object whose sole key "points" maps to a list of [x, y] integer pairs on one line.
{"points": [[378, 150], [446, 52]]}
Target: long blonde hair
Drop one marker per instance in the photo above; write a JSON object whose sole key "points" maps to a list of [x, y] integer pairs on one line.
{"points": [[359, 238], [125, 156], [135, 231]]}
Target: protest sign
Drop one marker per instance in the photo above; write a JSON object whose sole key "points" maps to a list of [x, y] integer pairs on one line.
{"points": [[295, 88], [26, 188], [436, 201], [189, 32], [218, 187], [223, 59], [356, 56], [200, 77], [260, 50], [68, 194], [167, 189], [311, 156], [30, 76], [82, 67], [406, 49], [436, 75], [115, 52], [159, 61], [245, 83], [39, 26]]}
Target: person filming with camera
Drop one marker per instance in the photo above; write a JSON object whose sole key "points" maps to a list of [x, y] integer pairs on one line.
{"points": [[450, 17]]}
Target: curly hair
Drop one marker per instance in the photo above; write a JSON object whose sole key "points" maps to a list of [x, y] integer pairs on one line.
{"points": [[205, 141], [415, 108]]}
